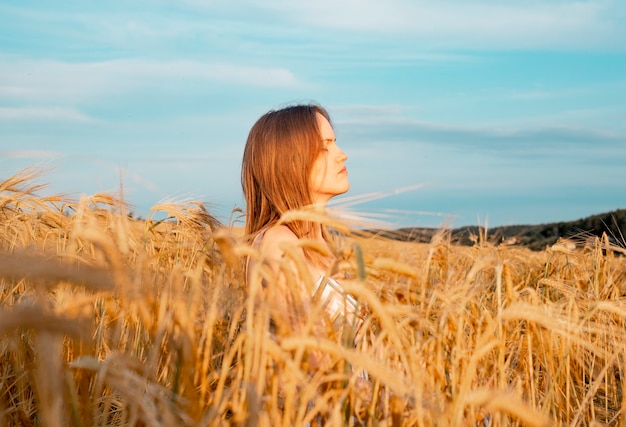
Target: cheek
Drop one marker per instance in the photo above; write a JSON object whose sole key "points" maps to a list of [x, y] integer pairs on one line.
{"points": [[317, 173]]}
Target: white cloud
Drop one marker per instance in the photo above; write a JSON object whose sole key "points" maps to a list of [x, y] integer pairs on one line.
{"points": [[30, 154], [43, 113], [117, 25], [369, 110], [525, 138], [27, 79], [394, 29], [475, 24]]}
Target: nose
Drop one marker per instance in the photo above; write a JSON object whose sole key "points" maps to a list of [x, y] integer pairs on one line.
{"points": [[342, 156]]}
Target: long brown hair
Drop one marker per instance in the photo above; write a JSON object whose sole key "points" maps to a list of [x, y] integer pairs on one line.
{"points": [[281, 149]]}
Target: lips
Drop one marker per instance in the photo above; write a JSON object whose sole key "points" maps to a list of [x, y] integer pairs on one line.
{"points": [[344, 170]]}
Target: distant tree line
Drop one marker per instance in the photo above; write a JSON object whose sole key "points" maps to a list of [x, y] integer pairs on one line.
{"points": [[535, 237]]}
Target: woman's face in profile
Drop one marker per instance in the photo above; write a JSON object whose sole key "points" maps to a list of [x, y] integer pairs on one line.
{"points": [[329, 176]]}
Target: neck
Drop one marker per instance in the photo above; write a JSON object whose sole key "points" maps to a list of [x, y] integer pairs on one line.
{"points": [[319, 207], [320, 202]]}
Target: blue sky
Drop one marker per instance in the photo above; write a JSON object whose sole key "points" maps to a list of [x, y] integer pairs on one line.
{"points": [[455, 112]]}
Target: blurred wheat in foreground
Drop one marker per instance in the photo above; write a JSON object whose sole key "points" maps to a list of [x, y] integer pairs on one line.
{"points": [[106, 320]]}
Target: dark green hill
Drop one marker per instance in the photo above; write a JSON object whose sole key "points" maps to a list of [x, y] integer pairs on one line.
{"points": [[535, 237]]}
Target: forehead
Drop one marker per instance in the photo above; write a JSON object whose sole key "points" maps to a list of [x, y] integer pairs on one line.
{"points": [[326, 130]]}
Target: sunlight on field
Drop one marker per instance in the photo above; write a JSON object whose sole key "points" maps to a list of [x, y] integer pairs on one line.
{"points": [[107, 320]]}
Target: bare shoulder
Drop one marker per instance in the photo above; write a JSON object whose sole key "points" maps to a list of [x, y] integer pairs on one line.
{"points": [[277, 235], [275, 239]]}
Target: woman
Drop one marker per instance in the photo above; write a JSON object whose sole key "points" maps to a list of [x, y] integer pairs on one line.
{"points": [[292, 162]]}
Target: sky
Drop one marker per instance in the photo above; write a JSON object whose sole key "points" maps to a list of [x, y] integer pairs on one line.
{"points": [[477, 112]]}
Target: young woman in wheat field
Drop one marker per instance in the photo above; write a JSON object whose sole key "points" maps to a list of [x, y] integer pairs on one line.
{"points": [[292, 163]]}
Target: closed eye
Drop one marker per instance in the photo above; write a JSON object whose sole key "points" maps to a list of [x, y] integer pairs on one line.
{"points": [[327, 143]]}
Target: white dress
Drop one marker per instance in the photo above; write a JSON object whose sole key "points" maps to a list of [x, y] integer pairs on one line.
{"points": [[342, 308]]}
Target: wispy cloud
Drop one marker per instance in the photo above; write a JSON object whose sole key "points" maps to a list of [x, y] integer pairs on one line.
{"points": [[128, 26], [30, 154], [573, 24], [367, 111], [560, 93], [422, 24], [48, 79], [43, 113], [520, 139]]}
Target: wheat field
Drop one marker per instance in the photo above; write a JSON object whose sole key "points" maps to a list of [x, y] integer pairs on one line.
{"points": [[106, 320]]}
